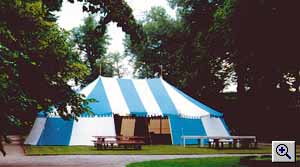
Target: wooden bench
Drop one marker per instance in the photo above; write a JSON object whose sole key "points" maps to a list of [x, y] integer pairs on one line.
{"points": [[125, 142], [219, 141], [104, 142]]}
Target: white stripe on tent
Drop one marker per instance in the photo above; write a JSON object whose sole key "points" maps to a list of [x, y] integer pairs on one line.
{"points": [[147, 98], [36, 131], [115, 97], [88, 89], [214, 126], [184, 107], [171, 132], [85, 128]]}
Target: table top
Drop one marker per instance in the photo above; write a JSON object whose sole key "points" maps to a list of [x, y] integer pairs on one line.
{"points": [[218, 137], [119, 137]]}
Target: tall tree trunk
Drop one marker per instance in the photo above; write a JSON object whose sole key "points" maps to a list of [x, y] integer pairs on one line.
{"points": [[240, 72]]}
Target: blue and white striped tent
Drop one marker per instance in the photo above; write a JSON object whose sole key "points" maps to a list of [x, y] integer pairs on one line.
{"points": [[129, 97]]}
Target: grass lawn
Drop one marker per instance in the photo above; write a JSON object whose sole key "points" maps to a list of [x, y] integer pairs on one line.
{"points": [[197, 162], [146, 150], [269, 158]]}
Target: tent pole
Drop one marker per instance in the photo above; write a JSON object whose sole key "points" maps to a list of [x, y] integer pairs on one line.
{"points": [[160, 125], [100, 69], [161, 70]]}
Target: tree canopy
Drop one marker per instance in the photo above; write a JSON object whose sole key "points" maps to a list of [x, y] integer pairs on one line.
{"points": [[92, 46], [38, 60], [36, 64], [183, 50], [214, 42]]}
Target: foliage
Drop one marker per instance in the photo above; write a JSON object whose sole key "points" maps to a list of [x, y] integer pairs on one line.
{"points": [[110, 11], [92, 46], [117, 11], [213, 43], [265, 44], [182, 47], [37, 60], [115, 59], [158, 28], [111, 64], [269, 69], [36, 63], [259, 42]]}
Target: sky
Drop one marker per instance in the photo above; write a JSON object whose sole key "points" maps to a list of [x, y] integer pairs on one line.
{"points": [[71, 16]]}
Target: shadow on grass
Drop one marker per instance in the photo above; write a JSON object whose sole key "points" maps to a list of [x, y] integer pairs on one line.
{"points": [[263, 161]]}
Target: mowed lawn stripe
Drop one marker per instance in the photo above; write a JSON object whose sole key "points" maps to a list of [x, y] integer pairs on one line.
{"points": [[146, 150]]}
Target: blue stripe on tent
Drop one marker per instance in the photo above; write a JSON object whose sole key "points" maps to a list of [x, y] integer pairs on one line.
{"points": [[162, 97], [101, 107], [57, 132], [132, 98], [225, 125], [201, 105], [185, 126]]}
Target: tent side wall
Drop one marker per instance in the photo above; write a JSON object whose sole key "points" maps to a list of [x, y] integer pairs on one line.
{"points": [[85, 128], [36, 131], [56, 131], [206, 126], [185, 126], [215, 126]]}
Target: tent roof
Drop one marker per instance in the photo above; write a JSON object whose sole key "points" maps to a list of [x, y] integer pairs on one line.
{"points": [[143, 97]]}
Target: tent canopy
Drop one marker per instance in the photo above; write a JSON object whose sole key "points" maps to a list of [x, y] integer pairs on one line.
{"points": [[129, 97], [143, 97]]}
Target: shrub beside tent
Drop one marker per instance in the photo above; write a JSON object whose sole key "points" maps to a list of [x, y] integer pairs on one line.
{"points": [[131, 107]]}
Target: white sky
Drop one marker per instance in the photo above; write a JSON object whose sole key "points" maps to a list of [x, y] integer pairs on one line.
{"points": [[71, 16]]}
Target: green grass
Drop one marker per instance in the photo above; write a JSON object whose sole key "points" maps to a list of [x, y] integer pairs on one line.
{"points": [[194, 162], [146, 150], [269, 158]]}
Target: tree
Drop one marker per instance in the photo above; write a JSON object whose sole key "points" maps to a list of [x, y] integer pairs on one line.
{"points": [[117, 11], [37, 60], [36, 63], [148, 56], [115, 59], [183, 50], [266, 60], [258, 38], [91, 46]]}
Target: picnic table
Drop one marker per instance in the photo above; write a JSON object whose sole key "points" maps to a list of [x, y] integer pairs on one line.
{"points": [[126, 142], [218, 141]]}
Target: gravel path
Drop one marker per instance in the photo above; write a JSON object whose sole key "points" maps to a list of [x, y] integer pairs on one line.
{"points": [[13, 150], [16, 158]]}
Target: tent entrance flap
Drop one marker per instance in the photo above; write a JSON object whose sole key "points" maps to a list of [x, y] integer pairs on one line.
{"points": [[159, 130], [127, 126], [155, 130]]}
